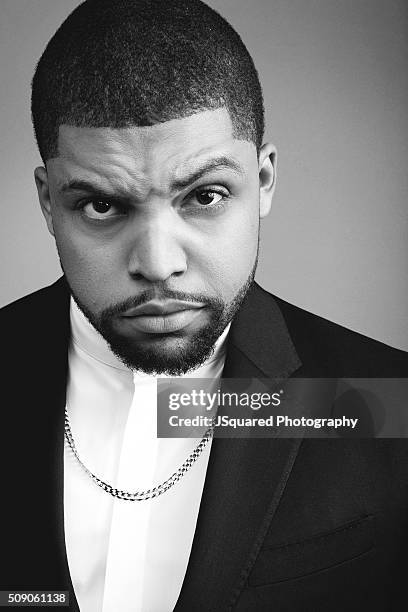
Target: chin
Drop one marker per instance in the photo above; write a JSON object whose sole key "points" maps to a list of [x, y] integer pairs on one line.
{"points": [[169, 355]]}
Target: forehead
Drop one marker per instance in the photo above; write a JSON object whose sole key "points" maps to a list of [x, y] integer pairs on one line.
{"points": [[148, 153]]}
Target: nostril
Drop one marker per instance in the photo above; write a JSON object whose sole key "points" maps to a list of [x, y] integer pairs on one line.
{"points": [[137, 276], [142, 277]]}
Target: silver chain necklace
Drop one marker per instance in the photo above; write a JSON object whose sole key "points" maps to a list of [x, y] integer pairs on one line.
{"points": [[150, 493]]}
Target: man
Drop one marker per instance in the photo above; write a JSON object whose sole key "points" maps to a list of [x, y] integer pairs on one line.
{"points": [[149, 120]]}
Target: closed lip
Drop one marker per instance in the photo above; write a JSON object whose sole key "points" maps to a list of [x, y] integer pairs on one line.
{"points": [[161, 308]]}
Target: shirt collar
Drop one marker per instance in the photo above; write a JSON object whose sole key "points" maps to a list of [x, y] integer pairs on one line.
{"points": [[88, 339]]}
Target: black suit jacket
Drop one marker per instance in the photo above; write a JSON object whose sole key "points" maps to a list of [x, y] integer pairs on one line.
{"points": [[284, 524]]}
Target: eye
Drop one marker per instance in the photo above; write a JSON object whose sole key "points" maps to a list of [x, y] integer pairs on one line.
{"points": [[208, 197], [100, 209]]}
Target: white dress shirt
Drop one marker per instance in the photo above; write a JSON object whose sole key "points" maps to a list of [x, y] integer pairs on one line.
{"points": [[126, 556]]}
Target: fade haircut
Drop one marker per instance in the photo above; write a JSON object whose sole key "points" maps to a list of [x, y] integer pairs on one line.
{"points": [[122, 63]]}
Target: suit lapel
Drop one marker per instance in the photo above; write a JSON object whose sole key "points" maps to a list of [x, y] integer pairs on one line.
{"points": [[245, 477], [50, 422], [259, 343], [61, 340]]}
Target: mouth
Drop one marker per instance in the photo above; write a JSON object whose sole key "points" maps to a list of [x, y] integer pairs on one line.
{"points": [[161, 317]]}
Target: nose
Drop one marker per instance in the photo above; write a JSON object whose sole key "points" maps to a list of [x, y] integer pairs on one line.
{"points": [[157, 252]]}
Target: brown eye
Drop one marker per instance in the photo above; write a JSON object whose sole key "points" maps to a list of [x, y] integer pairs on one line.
{"points": [[100, 206], [100, 209], [205, 197]]}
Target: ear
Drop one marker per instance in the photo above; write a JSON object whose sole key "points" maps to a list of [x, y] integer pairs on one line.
{"points": [[41, 181], [267, 177]]}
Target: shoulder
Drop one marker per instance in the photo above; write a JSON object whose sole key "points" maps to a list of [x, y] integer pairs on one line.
{"points": [[36, 315], [326, 348], [35, 299]]}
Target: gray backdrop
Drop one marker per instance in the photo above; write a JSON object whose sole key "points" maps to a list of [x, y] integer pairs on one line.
{"points": [[336, 90]]}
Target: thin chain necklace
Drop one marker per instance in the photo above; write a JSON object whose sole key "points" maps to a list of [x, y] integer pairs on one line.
{"points": [[149, 493]]}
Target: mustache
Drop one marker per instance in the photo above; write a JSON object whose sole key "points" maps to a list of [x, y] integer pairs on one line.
{"points": [[160, 294]]}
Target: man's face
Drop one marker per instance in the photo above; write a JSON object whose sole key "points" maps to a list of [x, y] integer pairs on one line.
{"points": [[157, 231]]}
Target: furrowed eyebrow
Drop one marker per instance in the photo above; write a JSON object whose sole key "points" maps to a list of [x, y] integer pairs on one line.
{"points": [[81, 185], [218, 163]]}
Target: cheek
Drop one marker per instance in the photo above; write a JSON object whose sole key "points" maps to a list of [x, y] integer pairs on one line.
{"points": [[92, 271], [230, 253]]}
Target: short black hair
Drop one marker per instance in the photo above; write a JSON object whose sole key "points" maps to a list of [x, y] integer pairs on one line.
{"points": [[121, 63]]}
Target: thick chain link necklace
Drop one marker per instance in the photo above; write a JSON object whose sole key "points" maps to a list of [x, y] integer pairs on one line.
{"points": [[149, 493]]}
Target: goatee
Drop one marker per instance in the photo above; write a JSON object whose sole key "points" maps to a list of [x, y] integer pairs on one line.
{"points": [[159, 355]]}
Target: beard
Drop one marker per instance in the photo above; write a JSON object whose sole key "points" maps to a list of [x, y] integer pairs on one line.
{"points": [[171, 354]]}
